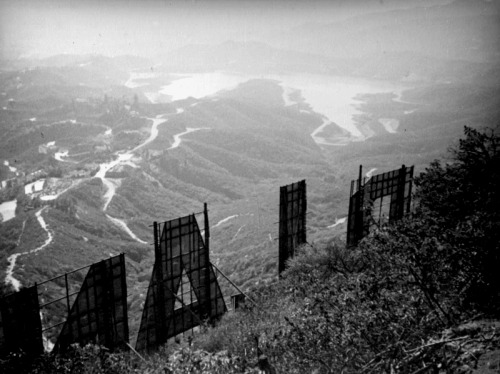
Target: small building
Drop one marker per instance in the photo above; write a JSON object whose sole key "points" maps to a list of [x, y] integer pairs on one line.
{"points": [[7, 183], [33, 187]]}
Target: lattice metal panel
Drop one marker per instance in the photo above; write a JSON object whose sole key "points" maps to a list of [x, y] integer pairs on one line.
{"points": [[99, 313], [292, 223], [20, 325], [366, 202], [183, 291]]}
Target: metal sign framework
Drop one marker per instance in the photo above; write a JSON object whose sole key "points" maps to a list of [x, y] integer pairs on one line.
{"points": [[292, 221], [99, 313], [183, 291], [20, 325], [366, 202]]}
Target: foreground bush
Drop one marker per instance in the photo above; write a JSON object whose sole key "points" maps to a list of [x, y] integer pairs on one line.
{"points": [[98, 360], [369, 309], [460, 204]]}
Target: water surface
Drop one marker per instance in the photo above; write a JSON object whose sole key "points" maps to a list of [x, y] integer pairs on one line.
{"points": [[332, 96]]}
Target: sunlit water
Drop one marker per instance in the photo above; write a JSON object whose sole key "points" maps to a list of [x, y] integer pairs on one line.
{"points": [[335, 97], [201, 85], [332, 96]]}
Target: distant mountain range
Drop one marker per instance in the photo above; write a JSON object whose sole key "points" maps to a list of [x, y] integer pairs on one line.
{"points": [[461, 30], [447, 42]]}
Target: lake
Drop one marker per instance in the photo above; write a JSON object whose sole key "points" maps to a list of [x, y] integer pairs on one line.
{"points": [[332, 96]]}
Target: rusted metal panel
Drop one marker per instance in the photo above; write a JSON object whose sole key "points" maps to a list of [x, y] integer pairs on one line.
{"points": [[292, 221], [99, 313], [183, 291], [20, 325], [366, 201]]}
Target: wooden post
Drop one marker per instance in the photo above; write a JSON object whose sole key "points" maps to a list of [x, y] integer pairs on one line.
{"points": [[283, 230], [68, 306], [360, 177], [303, 238], [408, 203], [208, 285], [107, 306], [124, 299], [401, 193], [159, 309], [207, 227], [359, 225]]}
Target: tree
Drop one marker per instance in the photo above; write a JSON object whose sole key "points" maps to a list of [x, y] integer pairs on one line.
{"points": [[460, 203], [469, 184]]}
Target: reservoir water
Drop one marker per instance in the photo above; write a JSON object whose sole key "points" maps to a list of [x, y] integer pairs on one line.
{"points": [[332, 96]]}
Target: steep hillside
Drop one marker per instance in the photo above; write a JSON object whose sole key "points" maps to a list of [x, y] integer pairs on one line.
{"points": [[418, 295], [109, 165], [247, 143], [236, 162]]}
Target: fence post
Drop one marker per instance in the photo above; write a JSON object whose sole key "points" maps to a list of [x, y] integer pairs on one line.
{"points": [[208, 285], [207, 226], [124, 305], [408, 202], [359, 225], [106, 287], [68, 306], [160, 310], [303, 210], [283, 230], [401, 192]]}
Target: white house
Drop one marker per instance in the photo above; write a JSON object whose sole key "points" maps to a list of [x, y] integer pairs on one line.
{"points": [[33, 187]]}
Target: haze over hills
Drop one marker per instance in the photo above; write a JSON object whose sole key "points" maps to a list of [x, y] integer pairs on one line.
{"points": [[122, 141], [459, 30]]}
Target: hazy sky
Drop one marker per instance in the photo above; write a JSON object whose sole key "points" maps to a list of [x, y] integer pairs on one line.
{"points": [[148, 28]]}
